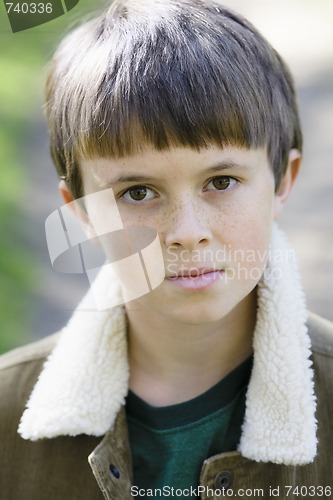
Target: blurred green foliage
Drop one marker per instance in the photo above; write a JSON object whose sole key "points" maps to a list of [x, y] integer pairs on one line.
{"points": [[23, 58], [19, 64]]}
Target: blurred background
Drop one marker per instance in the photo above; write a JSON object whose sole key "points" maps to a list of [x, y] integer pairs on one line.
{"points": [[35, 300]]}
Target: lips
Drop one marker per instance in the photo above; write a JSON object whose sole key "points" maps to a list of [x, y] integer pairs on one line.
{"points": [[192, 273], [196, 279]]}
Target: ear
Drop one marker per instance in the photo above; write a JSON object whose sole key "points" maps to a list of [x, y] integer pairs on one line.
{"points": [[287, 182], [77, 209]]}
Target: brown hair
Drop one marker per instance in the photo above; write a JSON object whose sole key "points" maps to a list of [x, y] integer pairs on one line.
{"points": [[167, 73]]}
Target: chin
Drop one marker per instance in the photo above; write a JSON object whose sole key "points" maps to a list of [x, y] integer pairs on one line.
{"points": [[202, 313]]}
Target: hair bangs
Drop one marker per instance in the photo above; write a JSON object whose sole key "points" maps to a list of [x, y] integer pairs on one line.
{"points": [[191, 78]]}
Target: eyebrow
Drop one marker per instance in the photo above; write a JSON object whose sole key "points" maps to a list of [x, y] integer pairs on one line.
{"points": [[230, 165], [219, 167]]}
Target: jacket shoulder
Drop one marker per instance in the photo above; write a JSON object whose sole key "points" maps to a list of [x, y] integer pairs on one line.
{"points": [[19, 371], [321, 334], [47, 468], [35, 351]]}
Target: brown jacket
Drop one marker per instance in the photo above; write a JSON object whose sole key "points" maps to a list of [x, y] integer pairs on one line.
{"points": [[87, 467]]}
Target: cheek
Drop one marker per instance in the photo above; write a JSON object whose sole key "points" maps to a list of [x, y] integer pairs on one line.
{"points": [[246, 230], [137, 217]]}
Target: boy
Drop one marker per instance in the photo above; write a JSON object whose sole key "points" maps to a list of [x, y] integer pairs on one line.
{"points": [[176, 118]]}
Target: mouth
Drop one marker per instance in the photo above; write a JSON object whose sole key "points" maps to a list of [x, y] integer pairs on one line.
{"points": [[196, 279], [192, 273]]}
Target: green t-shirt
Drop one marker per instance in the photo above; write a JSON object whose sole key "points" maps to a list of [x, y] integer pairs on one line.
{"points": [[169, 444]]}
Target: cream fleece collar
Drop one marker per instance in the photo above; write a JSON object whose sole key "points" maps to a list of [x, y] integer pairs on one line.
{"points": [[85, 379]]}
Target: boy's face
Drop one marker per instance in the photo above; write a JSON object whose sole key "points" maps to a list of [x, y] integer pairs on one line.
{"points": [[213, 211]]}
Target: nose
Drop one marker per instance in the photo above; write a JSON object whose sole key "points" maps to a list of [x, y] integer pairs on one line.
{"points": [[188, 227]]}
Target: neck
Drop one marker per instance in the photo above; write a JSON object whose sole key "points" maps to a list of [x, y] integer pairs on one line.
{"points": [[172, 362]]}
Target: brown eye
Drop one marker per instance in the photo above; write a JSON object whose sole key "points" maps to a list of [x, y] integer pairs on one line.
{"points": [[138, 193], [222, 183]]}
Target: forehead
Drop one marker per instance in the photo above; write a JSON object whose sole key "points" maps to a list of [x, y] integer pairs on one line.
{"points": [[174, 162]]}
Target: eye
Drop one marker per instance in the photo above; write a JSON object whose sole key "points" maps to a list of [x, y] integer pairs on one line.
{"points": [[221, 183], [137, 194]]}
